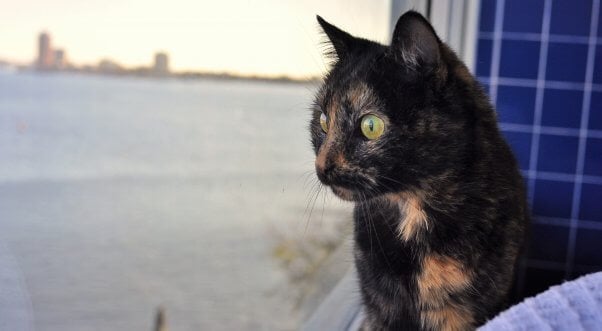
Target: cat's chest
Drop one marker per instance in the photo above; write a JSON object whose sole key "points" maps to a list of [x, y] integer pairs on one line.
{"points": [[379, 240], [394, 256]]}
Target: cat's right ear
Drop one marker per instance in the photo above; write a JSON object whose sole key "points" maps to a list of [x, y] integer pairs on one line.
{"points": [[341, 41], [415, 43]]}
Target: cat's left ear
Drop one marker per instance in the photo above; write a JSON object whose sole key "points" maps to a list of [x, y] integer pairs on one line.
{"points": [[342, 42], [415, 43]]}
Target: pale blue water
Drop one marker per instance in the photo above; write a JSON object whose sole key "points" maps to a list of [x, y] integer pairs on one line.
{"points": [[120, 194]]}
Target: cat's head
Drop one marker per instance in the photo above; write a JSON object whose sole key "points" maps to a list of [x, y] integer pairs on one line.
{"points": [[384, 120]]}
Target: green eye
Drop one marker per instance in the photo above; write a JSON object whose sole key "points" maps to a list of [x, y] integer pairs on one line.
{"points": [[323, 122], [372, 126]]}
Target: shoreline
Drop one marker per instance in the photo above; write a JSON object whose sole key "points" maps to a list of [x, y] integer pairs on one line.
{"points": [[146, 73]]}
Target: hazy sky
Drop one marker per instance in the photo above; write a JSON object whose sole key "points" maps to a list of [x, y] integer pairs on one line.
{"points": [[249, 37]]}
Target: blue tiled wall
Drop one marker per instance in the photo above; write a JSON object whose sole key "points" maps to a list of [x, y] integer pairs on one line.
{"points": [[541, 62]]}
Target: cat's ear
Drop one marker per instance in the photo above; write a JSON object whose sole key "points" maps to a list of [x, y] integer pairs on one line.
{"points": [[341, 41], [415, 43]]}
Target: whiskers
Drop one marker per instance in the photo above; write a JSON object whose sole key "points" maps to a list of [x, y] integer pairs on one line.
{"points": [[314, 193], [369, 218], [368, 209]]}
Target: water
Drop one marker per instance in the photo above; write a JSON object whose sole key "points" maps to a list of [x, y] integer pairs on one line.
{"points": [[121, 194]]}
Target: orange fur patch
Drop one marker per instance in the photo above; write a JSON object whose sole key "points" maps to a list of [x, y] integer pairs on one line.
{"points": [[414, 217], [442, 276], [452, 318]]}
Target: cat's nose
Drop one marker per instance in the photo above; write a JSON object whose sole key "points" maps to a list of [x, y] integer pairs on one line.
{"points": [[325, 162], [324, 166], [324, 171]]}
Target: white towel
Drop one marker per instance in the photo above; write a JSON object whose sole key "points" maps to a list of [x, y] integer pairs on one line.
{"points": [[572, 306]]}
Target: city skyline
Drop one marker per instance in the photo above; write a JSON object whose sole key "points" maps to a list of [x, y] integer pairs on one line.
{"points": [[266, 37], [51, 58]]}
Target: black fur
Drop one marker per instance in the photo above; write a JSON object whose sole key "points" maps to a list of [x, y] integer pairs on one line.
{"points": [[441, 144]]}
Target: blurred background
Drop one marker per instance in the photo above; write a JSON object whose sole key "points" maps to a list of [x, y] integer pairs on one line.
{"points": [[157, 155]]}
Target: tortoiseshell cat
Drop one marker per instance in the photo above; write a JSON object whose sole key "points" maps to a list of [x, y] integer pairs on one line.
{"points": [[407, 133]]}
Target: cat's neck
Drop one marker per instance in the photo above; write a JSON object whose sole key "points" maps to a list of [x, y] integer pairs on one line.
{"points": [[405, 226], [412, 214], [381, 224]]}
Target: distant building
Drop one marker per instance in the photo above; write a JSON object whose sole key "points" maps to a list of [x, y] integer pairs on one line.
{"points": [[45, 54], [60, 61], [161, 66], [108, 66]]}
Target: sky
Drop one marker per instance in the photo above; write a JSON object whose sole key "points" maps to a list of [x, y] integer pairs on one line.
{"points": [[261, 37]]}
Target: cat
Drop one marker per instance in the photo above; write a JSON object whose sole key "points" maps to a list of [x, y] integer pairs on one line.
{"points": [[406, 133]]}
